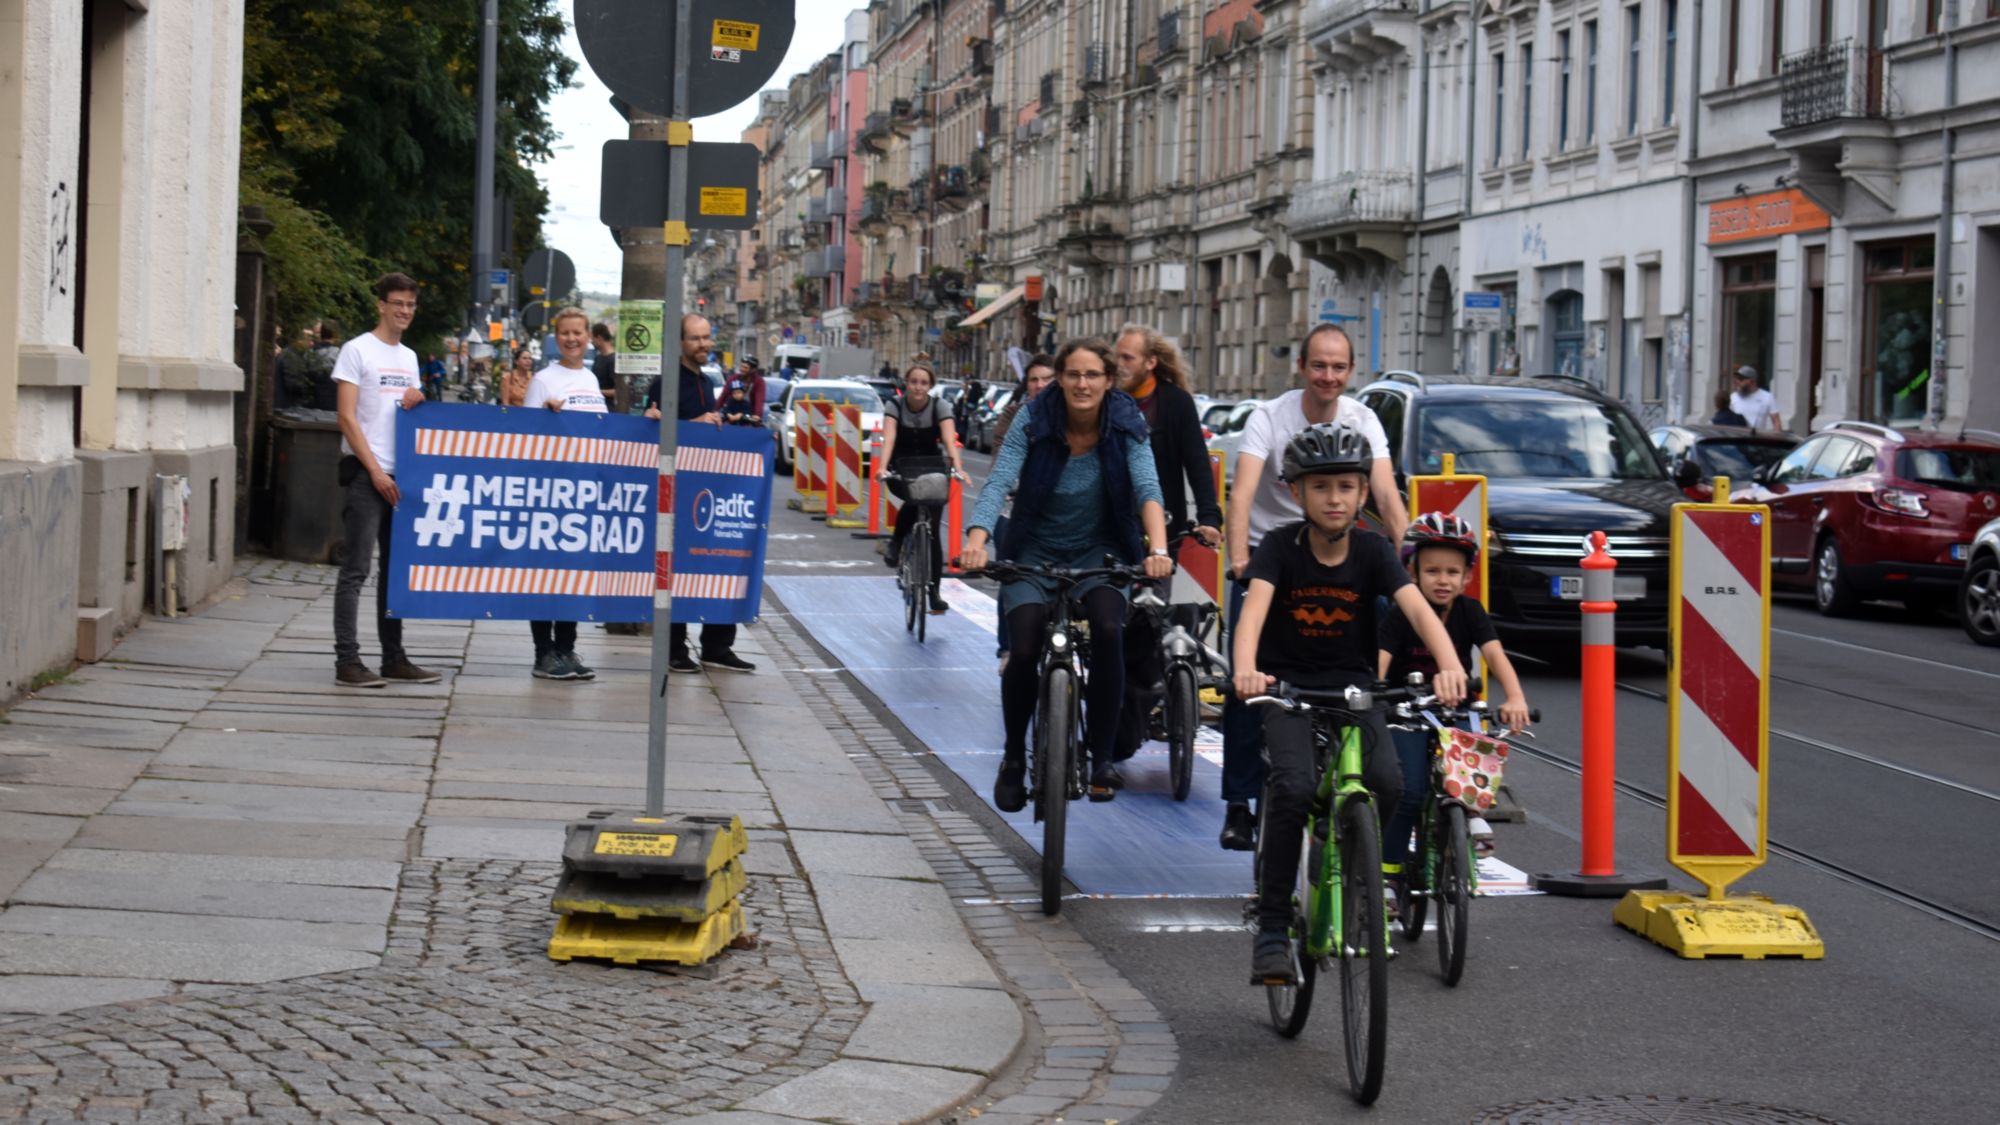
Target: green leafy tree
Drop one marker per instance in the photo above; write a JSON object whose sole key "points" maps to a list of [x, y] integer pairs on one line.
{"points": [[360, 127]]}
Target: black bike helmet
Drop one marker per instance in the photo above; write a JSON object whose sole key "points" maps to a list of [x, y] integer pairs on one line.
{"points": [[1330, 447], [1441, 529]]}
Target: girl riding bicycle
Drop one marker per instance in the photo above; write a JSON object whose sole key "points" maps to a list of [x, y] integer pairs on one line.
{"points": [[919, 437], [1309, 619], [1086, 488]]}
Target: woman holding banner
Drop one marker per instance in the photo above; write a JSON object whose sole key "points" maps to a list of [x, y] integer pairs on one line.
{"points": [[563, 385], [919, 435]]}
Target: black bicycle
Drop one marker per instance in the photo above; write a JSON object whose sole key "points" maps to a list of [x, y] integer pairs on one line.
{"points": [[1056, 752], [1174, 715], [929, 490]]}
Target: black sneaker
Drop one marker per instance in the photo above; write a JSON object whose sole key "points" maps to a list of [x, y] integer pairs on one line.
{"points": [[578, 670], [683, 663], [353, 673], [1105, 782], [892, 554], [1239, 828], [1010, 789], [728, 661], [551, 666], [939, 605], [1271, 959], [404, 672]]}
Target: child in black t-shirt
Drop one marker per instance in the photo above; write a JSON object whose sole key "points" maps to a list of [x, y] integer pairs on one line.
{"points": [[1309, 618], [1440, 550]]}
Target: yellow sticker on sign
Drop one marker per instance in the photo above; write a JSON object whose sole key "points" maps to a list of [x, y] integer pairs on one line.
{"points": [[725, 201], [736, 34], [636, 843]]}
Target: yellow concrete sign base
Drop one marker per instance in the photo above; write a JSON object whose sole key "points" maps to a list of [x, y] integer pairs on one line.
{"points": [[628, 941], [1749, 926], [683, 900]]}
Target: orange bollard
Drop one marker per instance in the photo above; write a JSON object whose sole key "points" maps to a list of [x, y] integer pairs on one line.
{"points": [[954, 519], [1599, 876], [875, 504]]}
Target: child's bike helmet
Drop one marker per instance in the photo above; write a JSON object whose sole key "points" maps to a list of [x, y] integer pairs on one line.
{"points": [[1441, 529], [1329, 447]]}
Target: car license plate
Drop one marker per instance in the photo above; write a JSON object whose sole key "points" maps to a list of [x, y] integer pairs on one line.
{"points": [[1624, 587], [1958, 552]]}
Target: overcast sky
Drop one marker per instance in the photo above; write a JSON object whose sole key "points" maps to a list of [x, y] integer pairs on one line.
{"points": [[584, 117]]}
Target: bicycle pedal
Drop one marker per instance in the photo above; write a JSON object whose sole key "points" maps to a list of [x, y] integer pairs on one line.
{"points": [[1258, 981]]}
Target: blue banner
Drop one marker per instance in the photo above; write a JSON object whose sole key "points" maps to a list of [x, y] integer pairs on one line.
{"points": [[722, 521], [511, 513]]}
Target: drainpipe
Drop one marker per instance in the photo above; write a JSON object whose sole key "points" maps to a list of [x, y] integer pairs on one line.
{"points": [[1472, 53], [1418, 291], [1936, 404], [1677, 396]]}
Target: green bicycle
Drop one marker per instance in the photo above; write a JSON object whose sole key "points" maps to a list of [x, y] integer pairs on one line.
{"points": [[1340, 913]]}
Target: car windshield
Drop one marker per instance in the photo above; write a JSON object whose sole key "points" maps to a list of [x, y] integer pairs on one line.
{"points": [[1737, 460], [1961, 470], [862, 397], [1538, 437]]}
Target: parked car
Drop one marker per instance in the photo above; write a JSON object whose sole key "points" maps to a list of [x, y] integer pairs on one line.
{"points": [[887, 390], [843, 392], [774, 400], [983, 419], [1214, 412], [1561, 460], [1864, 511], [1697, 453], [1979, 589], [1228, 433]]}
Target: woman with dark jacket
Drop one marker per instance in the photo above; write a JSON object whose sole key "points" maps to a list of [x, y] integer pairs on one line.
{"points": [[1082, 467]]}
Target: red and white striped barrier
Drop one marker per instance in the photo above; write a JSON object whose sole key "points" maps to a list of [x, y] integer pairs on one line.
{"points": [[844, 493]]}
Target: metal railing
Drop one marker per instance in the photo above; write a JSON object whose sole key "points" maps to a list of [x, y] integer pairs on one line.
{"points": [[1352, 197], [820, 154], [1096, 66], [816, 210], [836, 202], [952, 181], [1828, 83]]}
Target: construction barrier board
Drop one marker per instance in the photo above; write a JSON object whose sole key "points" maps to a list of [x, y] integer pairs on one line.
{"points": [[1462, 495], [684, 900], [628, 941], [632, 846], [845, 493]]}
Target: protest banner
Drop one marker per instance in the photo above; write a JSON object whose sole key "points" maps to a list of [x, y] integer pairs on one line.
{"points": [[513, 514]]}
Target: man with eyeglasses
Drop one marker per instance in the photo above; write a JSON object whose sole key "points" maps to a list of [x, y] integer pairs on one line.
{"points": [[375, 375]]}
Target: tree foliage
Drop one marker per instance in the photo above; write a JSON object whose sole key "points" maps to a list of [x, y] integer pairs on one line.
{"points": [[360, 128]]}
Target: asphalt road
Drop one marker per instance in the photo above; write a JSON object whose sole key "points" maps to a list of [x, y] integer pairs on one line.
{"points": [[1884, 790]]}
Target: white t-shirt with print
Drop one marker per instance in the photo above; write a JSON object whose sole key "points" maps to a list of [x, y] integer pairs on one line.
{"points": [[1268, 430], [382, 372], [575, 386], [1758, 407]]}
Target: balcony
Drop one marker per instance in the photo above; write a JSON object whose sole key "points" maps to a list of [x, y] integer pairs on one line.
{"points": [[874, 217], [816, 211], [819, 155], [867, 293], [1093, 231], [833, 259], [982, 56], [836, 202], [1355, 218], [813, 264], [905, 114], [873, 136], [1169, 39], [1838, 81], [953, 187], [1047, 89], [1325, 15], [980, 169], [1096, 67]]}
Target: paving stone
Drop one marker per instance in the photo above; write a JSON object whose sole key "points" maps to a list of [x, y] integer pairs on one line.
{"points": [[868, 1093], [852, 853]]}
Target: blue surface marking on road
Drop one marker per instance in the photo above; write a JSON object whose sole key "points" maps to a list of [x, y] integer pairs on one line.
{"points": [[947, 693]]}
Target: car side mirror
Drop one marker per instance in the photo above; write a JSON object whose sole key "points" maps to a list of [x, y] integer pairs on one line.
{"points": [[1762, 474], [1686, 473]]}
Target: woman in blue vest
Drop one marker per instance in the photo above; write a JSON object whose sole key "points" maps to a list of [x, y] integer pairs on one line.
{"points": [[1082, 471]]}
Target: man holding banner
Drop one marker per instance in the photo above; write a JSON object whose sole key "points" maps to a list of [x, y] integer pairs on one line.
{"points": [[697, 404]]}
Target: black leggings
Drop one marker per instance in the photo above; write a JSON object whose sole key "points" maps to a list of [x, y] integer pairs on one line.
{"points": [[1103, 696], [1289, 787], [553, 636]]}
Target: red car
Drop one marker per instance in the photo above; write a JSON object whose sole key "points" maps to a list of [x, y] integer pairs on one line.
{"points": [[1864, 511]]}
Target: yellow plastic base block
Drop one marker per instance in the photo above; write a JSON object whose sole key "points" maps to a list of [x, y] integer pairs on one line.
{"points": [[1213, 697], [681, 900], [628, 941], [1748, 926], [850, 521]]}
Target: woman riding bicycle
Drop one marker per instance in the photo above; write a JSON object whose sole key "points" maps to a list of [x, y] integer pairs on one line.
{"points": [[918, 433], [1086, 488]]}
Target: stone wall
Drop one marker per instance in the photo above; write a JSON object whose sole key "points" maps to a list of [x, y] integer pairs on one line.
{"points": [[40, 508]]}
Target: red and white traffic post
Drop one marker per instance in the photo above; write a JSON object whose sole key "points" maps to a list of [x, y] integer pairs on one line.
{"points": [[1598, 876]]}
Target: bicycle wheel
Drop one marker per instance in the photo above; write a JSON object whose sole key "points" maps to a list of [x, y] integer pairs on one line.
{"points": [[1052, 739], [920, 570], [1413, 902], [1454, 891], [1364, 954], [1291, 1003], [1183, 719], [907, 574]]}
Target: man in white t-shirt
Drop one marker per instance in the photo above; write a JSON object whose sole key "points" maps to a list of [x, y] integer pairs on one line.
{"points": [[1758, 406], [564, 385], [1326, 365], [374, 376]]}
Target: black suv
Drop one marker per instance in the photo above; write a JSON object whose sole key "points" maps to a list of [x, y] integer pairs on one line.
{"points": [[1561, 460]]}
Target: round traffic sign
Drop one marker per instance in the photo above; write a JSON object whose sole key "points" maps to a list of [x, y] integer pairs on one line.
{"points": [[738, 45]]}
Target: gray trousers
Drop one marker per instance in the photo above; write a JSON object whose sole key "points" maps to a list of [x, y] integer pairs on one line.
{"points": [[367, 517]]}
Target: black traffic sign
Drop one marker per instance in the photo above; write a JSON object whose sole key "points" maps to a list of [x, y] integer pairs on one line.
{"points": [[738, 45], [547, 281], [721, 185]]}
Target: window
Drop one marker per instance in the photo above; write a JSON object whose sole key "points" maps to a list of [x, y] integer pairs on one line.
{"points": [[1388, 407], [1832, 461], [1590, 81], [1567, 438], [1896, 346], [1793, 468], [1527, 98], [1777, 34], [1499, 105], [1566, 335], [1562, 92], [1734, 33], [1673, 45], [1632, 70], [1749, 314]]}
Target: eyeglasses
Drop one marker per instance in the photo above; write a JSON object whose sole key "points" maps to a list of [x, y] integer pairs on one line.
{"points": [[1075, 376], [406, 306]]}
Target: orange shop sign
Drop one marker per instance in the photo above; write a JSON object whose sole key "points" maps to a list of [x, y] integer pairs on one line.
{"points": [[1764, 216]]}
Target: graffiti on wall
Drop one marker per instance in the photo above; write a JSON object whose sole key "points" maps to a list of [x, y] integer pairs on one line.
{"points": [[61, 268]]}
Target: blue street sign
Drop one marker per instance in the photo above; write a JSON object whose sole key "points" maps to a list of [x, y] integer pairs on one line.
{"points": [[500, 277], [1483, 301]]}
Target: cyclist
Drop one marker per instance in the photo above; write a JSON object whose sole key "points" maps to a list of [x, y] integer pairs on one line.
{"points": [[1035, 378], [1440, 549], [1151, 371], [1326, 365], [1086, 488], [918, 433], [1309, 618]]}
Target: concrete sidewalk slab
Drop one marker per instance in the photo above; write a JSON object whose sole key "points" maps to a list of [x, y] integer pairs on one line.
{"points": [[209, 962], [228, 837], [232, 868], [34, 993], [857, 1092], [961, 1028], [851, 853], [27, 840], [186, 894], [159, 926]]}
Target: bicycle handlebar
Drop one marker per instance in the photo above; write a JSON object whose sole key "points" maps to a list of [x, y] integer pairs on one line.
{"points": [[1009, 571]]}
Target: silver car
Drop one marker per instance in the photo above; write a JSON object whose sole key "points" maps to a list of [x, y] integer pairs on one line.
{"points": [[1979, 590]]}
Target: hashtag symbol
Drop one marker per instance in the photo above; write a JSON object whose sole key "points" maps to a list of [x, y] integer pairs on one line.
{"points": [[444, 500]]}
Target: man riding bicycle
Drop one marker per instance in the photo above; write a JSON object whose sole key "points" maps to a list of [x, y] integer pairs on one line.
{"points": [[1309, 619]]}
